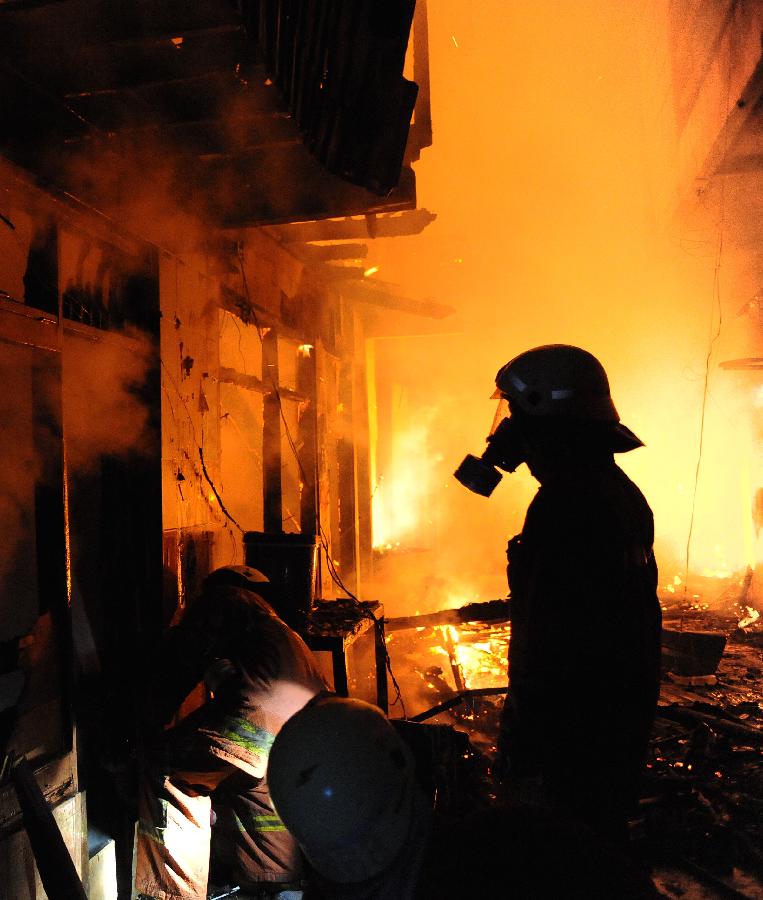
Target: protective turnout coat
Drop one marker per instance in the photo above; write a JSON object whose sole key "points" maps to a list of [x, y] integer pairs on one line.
{"points": [[261, 673], [585, 642]]}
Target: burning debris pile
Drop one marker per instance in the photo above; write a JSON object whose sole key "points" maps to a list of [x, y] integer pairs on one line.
{"points": [[701, 803], [453, 667], [699, 826]]}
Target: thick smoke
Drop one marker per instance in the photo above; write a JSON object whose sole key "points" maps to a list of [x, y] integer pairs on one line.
{"points": [[103, 411], [98, 390]]}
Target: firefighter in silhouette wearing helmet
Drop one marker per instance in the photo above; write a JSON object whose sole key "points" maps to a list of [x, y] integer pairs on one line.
{"points": [[585, 620], [258, 673]]}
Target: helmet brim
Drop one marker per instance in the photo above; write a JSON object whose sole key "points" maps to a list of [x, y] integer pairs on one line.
{"points": [[623, 439]]}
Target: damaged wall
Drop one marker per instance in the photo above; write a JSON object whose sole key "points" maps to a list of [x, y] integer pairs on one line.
{"points": [[165, 364]]}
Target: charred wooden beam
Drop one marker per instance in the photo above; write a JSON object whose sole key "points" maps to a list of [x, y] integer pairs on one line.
{"points": [[489, 611], [719, 723], [409, 222], [248, 382], [243, 155], [251, 313], [207, 138], [380, 294], [341, 273], [308, 442], [456, 700], [54, 863], [163, 37], [330, 252], [271, 437], [143, 85], [349, 546]]}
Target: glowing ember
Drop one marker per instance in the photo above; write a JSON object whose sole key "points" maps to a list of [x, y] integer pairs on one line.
{"points": [[752, 616]]}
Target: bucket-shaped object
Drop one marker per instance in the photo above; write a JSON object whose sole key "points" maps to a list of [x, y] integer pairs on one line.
{"points": [[290, 562]]}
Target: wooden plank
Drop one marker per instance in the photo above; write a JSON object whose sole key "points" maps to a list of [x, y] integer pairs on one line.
{"points": [[248, 382], [355, 227], [329, 252], [489, 611], [271, 437], [57, 781], [380, 294], [346, 457], [308, 442]]}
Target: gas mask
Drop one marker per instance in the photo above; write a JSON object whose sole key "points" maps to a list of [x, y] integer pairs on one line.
{"points": [[506, 449]]}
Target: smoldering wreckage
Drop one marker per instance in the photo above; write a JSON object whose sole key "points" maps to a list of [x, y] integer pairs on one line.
{"points": [[201, 692]]}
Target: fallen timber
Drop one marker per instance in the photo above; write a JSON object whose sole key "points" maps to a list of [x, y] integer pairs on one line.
{"points": [[489, 611]]}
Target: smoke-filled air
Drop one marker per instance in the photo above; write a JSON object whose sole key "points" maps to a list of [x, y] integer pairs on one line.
{"points": [[553, 174]]}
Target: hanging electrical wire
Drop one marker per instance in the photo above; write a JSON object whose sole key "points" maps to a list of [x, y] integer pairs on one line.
{"points": [[716, 305], [199, 445]]}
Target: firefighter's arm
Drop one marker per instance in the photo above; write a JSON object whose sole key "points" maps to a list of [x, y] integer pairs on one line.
{"points": [[176, 666]]}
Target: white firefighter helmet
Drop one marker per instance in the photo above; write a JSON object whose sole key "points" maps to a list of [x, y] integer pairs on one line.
{"points": [[343, 782], [558, 380]]}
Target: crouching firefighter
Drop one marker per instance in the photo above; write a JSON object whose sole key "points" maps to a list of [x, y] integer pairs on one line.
{"points": [[258, 673], [585, 620]]}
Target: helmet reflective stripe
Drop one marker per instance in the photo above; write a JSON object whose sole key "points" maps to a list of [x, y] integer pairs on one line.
{"points": [[558, 380]]}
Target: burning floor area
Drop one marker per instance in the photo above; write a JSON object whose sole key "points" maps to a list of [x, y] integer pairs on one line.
{"points": [[699, 826]]}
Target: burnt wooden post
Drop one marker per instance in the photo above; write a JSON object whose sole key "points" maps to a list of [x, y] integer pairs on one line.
{"points": [[308, 441], [348, 510], [362, 450], [271, 435]]}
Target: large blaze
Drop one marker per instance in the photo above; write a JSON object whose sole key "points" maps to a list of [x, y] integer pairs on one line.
{"points": [[563, 225]]}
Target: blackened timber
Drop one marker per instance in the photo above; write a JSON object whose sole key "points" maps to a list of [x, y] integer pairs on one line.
{"points": [[719, 722], [408, 222], [271, 437], [362, 453], [380, 294], [308, 441], [97, 68], [248, 382], [54, 863], [328, 252], [346, 458], [207, 137], [252, 197], [253, 383], [163, 38], [489, 611], [342, 273], [456, 700], [251, 313]]}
